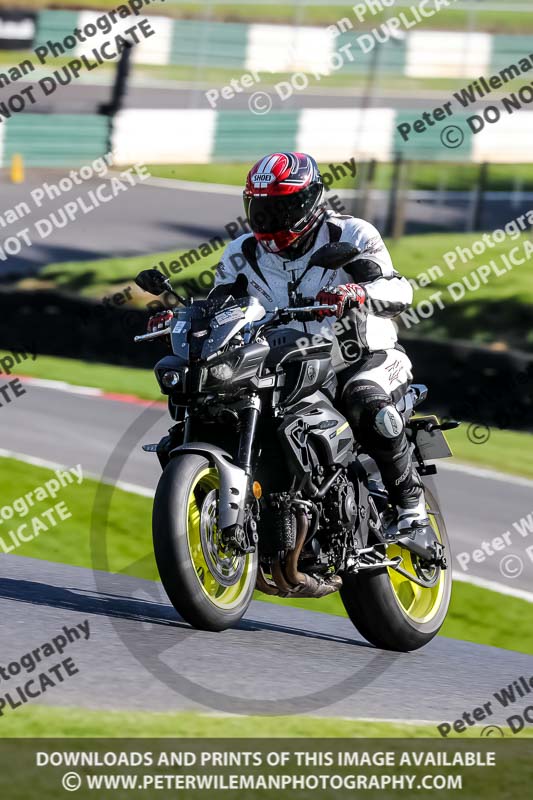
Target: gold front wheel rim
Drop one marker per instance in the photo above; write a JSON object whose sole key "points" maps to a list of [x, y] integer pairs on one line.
{"points": [[420, 604], [223, 576]]}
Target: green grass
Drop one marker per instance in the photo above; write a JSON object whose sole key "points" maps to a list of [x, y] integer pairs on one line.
{"points": [[505, 451], [507, 780], [450, 176], [38, 721], [69, 541], [475, 614], [498, 21], [205, 77], [95, 279], [497, 312], [74, 722], [109, 377]]}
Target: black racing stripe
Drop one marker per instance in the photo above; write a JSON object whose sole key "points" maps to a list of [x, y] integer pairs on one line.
{"points": [[400, 392], [249, 251], [335, 231], [350, 373], [364, 271], [385, 308], [364, 390]]}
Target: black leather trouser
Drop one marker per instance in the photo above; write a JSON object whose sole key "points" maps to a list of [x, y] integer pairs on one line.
{"points": [[365, 400]]}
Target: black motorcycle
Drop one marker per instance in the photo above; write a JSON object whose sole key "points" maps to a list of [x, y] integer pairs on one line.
{"points": [[264, 486]]}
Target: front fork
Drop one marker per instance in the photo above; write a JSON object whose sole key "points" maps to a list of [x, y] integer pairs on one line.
{"points": [[249, 411], [244, 538]]}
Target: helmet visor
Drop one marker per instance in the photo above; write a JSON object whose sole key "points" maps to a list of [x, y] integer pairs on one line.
{"points": [[274, 214]]}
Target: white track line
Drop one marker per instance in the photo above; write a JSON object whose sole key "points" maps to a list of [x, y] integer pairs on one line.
{"points": [[132, 488], [482, 472], [191, 186], [493, 586], [468, 469], [63, 386]]}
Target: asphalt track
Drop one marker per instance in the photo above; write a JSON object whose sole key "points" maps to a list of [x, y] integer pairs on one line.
{"points": [[279, 659], [84, 98], [55, 425], [163, 214]]}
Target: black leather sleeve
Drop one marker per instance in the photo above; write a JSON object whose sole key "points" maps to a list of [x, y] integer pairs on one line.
{"points": [[363, 270], [239, 288]]}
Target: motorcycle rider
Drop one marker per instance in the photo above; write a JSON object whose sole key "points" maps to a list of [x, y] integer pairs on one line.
{"points": [[286, 210]]}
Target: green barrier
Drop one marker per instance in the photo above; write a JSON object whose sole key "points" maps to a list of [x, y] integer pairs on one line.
{"points": [[54, 25], [209, 44], [56, 140], [240, 133], [450, 140], [384, 58]]}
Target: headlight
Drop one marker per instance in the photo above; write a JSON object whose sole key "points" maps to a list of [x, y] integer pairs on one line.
{"points": [[170, 379], [221, 372]]}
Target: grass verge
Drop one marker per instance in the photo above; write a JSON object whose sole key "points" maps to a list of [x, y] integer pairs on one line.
{"points": [[204, 77], [497, 21], [468, 306], [422, 175], [505, 451], [109, 378], [52, 722], [476, 615], [94, 279]]}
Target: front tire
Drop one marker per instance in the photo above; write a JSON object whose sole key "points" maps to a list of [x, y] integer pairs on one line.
{"points": [[391, 611], [209, 586]]}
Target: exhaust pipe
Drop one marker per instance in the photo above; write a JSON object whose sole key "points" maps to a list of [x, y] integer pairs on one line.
{"points": [[287, 580], [263, 584], [305, 585]]}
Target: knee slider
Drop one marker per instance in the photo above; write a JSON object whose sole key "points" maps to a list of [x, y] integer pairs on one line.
{"points": [[388, 422]]}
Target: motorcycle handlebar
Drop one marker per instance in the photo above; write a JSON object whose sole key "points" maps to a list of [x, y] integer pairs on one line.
{"points": [[145, 337], [303, 313]]}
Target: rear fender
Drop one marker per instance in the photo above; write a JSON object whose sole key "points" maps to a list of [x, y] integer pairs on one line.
{"points": [[233, 481]]}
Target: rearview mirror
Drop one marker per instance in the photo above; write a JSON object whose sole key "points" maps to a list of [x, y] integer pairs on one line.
{"points": [[334, 256], [153, 282]]}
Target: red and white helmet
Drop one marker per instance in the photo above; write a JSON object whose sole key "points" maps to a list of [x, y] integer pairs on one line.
{"points": [[284, 199]]}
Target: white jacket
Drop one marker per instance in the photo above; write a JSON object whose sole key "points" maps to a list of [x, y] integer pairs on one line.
{"points": [[388, 293]]}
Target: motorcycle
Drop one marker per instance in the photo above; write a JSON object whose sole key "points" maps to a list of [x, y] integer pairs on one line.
{"points": [[264, 486]]}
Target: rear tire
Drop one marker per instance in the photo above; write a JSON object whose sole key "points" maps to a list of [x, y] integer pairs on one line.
{"points": [[392, 612], [211, 588]]}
